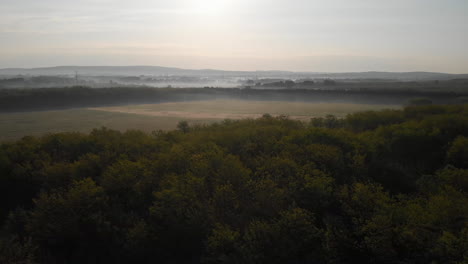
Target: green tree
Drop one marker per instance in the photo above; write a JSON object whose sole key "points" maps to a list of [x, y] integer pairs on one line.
{"points": [[183, 126], [457, 154], [71, 226]]}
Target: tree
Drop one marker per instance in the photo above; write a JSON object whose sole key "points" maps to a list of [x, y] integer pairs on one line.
{"points": [[457, 155], [71, 226], [183, 126]]}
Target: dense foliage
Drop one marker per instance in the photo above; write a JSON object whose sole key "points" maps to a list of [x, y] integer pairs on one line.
{"points": [[375, 187]]}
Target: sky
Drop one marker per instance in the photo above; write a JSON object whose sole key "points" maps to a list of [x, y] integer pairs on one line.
{"points": [[297, 35]]}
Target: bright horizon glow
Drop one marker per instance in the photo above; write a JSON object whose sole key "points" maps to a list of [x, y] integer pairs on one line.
{"points": [[299, 35], [210, 7]]}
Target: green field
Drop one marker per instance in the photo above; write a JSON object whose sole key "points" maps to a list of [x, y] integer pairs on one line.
{"points": [[163, 116]]}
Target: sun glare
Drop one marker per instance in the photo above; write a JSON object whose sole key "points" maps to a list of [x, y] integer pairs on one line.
{"points": [[212, 7]]}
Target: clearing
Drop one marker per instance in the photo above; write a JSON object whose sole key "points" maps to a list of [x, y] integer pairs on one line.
{"points": [[164, 116]]}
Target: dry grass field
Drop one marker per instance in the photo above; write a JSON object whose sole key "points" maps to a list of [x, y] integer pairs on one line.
{"points": [[163, 116], [236, 109]]}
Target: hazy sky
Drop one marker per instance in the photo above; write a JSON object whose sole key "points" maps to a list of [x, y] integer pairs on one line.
{"points": [[301, 35]]}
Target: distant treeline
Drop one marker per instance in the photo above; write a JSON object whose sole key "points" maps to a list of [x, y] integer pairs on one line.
{"points": [[280, 82], [375, 187], [14, 100], [456, 85], [100, 81]]}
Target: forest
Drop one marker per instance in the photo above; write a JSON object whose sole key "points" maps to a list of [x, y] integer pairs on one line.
{"points": [[386, 186], [40, 99]]}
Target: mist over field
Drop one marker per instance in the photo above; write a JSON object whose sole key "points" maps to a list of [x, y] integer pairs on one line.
{"points": [[233, 131], [155, 76]]}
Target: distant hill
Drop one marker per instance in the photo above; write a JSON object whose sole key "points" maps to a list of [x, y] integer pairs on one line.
{"points": [[161, 71], [403, 76]]}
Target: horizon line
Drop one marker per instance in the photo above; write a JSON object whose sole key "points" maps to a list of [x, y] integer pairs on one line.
{"points": [[213, 69]]}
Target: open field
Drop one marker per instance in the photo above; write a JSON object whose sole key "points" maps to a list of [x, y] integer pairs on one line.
{"points": [[163, 116], [236, 109], [17, 125]]}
